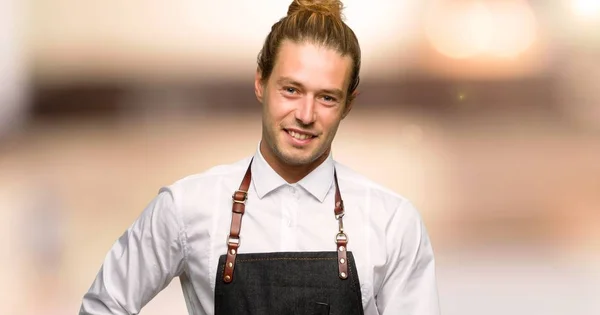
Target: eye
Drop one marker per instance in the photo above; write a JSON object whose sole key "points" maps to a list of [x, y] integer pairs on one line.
{"points": [[329, 99], [290, 90]]}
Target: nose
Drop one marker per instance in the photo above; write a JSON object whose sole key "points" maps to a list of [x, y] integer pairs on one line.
{"points": [[305, 113]]}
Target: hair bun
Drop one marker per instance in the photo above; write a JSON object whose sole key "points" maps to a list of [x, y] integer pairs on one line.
{"points": [[324, 7]]}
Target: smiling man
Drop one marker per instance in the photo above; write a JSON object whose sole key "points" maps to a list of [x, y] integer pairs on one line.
{"points": [[316, 238], [304, 97]]}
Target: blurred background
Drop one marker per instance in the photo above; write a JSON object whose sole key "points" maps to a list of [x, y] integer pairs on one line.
{"points": [[485, 114]]}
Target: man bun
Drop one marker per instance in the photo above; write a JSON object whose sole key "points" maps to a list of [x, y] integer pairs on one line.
{"points": [[331, 8]]}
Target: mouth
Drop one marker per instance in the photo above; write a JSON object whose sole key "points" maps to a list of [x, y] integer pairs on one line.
{"points": [[300, 135]]}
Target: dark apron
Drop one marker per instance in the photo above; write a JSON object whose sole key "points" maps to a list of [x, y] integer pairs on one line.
{"points": [[310, 283]]}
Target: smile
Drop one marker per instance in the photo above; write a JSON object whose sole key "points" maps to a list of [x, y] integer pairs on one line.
{"points": [[299, 135]]}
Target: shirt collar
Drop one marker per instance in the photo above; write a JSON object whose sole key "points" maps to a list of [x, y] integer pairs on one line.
{"points": [[317, 183]]}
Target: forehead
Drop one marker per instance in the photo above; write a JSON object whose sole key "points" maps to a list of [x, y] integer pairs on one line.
{"points": [[315, 66]]}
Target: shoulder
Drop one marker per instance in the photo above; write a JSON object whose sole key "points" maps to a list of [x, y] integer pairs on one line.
{"points": [[359, 183], [208, 182], [380, 197]]}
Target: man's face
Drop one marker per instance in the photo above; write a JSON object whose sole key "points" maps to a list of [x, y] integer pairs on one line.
{"points": [[304, 101]]}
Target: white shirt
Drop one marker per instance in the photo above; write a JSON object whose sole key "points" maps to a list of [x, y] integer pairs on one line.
{"points": [[182, 233]]}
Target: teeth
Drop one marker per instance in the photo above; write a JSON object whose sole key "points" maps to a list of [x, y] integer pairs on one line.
{"points": [[299, 136]]}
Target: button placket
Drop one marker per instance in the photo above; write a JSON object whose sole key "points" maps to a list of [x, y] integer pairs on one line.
{"points": [[292, 206], [289, 207]]}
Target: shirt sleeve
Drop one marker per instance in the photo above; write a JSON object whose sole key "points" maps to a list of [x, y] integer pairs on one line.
{"points": [[409, 286], [141, 263]]}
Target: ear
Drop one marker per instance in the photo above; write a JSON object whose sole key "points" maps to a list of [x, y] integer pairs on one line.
{"points": [[349, 104], [258, 85]]}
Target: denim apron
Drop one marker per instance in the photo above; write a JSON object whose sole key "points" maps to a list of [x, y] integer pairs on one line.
{"points": [[306, 283]]}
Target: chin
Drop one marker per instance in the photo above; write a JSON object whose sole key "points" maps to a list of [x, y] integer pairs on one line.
{"points": [[292, 156], [295, 161], [297, 157]]}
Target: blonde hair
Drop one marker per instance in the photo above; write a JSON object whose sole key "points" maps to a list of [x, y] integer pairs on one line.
{"points": [[315, 21]]}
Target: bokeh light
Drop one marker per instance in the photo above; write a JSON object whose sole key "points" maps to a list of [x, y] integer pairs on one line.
{"points": [[468, 28]]}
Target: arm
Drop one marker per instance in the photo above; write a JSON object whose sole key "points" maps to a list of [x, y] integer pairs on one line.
{"points": [[409, 286], [141, 263]]}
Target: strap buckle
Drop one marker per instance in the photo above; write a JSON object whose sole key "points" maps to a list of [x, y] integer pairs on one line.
{"points": [[341, 237], [233, 240], [243, 199]]}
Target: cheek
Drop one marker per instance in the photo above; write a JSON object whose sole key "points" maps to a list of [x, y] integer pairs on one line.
{"points": [[279, 107], [330, 120]]}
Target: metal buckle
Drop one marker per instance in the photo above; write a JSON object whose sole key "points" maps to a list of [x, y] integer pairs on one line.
{"points": [[240, 201], [341, 237], [233, 240], [340, 222]]}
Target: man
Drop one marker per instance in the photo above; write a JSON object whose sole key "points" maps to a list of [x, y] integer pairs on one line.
{"points": [[300, 248]]}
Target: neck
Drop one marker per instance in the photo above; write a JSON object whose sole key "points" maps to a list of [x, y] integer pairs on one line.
{"points": [[290, 173]]}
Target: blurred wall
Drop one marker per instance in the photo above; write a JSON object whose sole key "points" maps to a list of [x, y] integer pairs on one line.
{"points": [[485, 114]]}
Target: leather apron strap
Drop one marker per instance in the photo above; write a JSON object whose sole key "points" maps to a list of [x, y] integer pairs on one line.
{"points": [[233, 240]]}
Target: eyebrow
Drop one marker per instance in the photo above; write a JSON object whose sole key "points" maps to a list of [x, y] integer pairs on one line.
{"points": [[286, 80]]}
